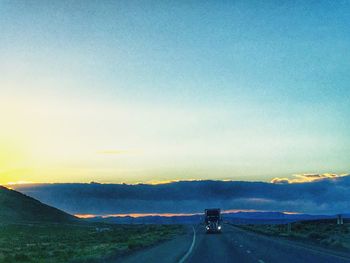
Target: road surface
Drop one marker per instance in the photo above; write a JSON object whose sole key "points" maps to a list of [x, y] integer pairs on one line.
{"points": [[233, 245]]}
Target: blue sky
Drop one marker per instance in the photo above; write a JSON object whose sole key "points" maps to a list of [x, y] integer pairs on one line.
{"points": [[150, 91]]}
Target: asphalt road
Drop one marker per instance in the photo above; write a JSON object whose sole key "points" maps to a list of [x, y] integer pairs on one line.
{"points": [[234, 245]]}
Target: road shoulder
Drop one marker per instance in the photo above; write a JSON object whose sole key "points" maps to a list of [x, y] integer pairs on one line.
{"points": [[170, 251], [304, 244]]}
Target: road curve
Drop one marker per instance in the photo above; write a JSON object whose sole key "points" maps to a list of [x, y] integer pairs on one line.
{"points": [[233, 245]]}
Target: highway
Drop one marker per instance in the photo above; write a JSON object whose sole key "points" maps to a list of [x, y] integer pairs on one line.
{"points": [[233, 245]]}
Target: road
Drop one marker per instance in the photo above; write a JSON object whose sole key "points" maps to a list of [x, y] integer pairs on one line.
{"points": [[234, 245]]}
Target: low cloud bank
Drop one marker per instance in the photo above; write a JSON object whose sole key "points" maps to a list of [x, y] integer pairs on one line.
{"points": [[325, 195]]}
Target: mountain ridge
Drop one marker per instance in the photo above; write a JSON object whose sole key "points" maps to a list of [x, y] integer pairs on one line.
{"points": [[260, 217]]}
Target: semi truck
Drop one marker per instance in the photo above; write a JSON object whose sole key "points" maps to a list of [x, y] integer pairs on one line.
{"points": [[213, 220]]}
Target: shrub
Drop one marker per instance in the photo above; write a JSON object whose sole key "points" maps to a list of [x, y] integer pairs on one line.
{"points": [[21, 257], [134, 244], [337, 244], [315, 235]]}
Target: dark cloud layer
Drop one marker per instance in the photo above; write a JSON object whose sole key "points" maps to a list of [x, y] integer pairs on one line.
{"points": [[326, 196]]}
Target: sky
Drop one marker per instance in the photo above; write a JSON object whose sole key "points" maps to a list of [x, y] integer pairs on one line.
{"points": [[154, 91]]}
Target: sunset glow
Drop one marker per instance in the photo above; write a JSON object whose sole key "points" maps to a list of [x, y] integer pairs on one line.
{"points": [[117, 99], [136, 215]]}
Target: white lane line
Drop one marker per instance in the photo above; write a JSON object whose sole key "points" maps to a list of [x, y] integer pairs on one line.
{"points": [[261, 261], [182, 260]]}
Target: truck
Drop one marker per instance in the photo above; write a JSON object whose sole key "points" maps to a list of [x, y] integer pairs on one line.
{"points": [[213, 220]]}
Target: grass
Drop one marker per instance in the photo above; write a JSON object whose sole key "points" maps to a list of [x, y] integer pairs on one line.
{"points": [[77, 243], [322, 232]]}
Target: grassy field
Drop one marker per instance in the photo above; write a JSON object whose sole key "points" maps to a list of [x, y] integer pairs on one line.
{"points": [[77, 243], [322, 232]]}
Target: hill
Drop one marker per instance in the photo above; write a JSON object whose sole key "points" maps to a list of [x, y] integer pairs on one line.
{"points": [[19, 208]]}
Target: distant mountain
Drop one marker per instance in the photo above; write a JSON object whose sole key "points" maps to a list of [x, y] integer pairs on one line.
{"points": [[236, 218], [19, 208], [271, 217], [275, 216], [195, 219]]}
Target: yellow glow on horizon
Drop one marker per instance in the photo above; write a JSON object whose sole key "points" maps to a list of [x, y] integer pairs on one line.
{"points": [[307, 178], [19, 183], [157, 182], [136, 215], [14, 160], [59, 140], [10, 154]]}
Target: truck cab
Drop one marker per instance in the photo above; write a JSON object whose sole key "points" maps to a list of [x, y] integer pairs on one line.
{"points": [[213, 220]]}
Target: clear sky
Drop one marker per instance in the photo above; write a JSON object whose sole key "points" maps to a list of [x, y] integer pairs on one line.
{"points": [[139, 91]]}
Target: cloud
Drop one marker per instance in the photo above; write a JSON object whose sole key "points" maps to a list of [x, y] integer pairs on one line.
{"points": [[113, 152], [278, 180], [19, 183], [328, 195], [306, 178]]}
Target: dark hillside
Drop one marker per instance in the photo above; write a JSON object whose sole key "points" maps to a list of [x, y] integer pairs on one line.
{"points": [[19, 208]]}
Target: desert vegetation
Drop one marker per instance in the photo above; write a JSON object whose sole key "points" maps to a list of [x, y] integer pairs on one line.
{"points": [[77, 243], [322, 232]]}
